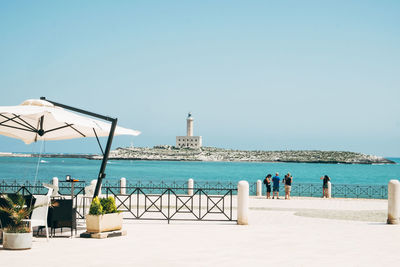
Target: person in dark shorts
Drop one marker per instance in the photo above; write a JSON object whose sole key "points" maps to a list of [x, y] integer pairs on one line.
{"points": [[325, 185], [275, 186], [288, 184], [267, 182]]}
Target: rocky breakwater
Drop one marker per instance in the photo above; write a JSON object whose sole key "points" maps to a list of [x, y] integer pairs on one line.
{"points": [[172, 153]]}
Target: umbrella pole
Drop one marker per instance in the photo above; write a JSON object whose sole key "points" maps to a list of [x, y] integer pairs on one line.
{"points": [[105, 158], [109, 140]]}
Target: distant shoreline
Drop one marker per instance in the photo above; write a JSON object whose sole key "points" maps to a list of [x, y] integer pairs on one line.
{"points": [[210, 154], [35, 155]]}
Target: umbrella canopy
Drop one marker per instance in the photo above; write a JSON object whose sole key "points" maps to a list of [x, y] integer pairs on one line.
{"points": [[36, 119]]}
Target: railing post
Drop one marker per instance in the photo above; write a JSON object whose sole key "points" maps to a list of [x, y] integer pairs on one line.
{"points": [[259, 188], [393, 202], [122, 184], [329, 190], [190, 186], [243, 203], [169, 202]]}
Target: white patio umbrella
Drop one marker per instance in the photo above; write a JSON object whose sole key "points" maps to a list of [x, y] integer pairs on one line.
{"points": [[36, 119]]}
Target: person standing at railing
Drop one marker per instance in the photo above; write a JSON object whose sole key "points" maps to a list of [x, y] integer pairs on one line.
{"points": [[325, 185], [288, 184], [275, 186], [267, 182]]}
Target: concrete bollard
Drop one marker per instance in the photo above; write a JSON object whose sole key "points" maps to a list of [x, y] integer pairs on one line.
{"points": [[122, 184], [259, 188], [393, 202], [55, 182], [190, 186], [329, 190], [93, 183], [243, 203], [55, 187]]}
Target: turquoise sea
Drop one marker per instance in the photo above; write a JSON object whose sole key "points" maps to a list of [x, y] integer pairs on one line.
{"points": [[24, 169]]}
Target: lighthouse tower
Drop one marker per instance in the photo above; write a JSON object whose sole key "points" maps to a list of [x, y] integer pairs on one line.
{"points": [[189, 140], [189, 125]]}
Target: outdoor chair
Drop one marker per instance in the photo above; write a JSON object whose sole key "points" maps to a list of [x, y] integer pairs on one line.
{"points": [[62, 214], [54, 188], [39, 214]]}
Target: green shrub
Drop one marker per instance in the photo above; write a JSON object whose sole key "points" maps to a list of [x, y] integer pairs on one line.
{"points": [[108, 205], [95, 207], [103, 206]]}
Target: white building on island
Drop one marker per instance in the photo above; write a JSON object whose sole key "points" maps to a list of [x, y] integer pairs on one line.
{"points": [[189, 140]]}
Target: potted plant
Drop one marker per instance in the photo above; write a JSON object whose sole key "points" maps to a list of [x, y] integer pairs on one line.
{"points": [[103, 216], [16, 235]]}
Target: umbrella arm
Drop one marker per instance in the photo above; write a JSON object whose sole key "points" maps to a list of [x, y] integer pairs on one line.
{"points": [[109, 140]]}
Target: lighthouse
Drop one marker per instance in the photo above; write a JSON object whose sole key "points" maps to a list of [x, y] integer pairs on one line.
{"points": [[189, 140], [189, 125]]}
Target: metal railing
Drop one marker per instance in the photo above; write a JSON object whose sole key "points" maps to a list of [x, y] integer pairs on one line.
{"points": [[174, 204], [337, 191], [28, 188], [298, 189], [155, 202], [360, 191]]}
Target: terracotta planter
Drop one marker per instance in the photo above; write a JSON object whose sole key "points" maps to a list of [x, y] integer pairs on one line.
{"points": [[17, 240], [103, 223]]}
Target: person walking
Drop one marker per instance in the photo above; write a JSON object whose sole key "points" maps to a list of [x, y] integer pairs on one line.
{"points": [[325, 185], [275, 186], [267, 182], [288, 185]]}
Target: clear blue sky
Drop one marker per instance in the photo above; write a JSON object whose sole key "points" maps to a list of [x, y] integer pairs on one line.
{"points": [[269, 75]]}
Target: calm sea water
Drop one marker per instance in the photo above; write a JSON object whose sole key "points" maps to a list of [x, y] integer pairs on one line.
{"points": [[24, 169]]}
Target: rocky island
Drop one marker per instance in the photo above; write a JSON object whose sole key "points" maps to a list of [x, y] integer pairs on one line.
{"points": [[171, 153]]}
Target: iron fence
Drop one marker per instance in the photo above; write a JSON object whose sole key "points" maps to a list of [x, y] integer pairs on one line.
{"points": [[162, 201], [360, 191], [150, 187], [337, 190], [174, 204], [76, 192]]}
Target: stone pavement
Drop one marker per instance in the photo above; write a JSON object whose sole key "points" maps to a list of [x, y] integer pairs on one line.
{"points": [[297, 232]]}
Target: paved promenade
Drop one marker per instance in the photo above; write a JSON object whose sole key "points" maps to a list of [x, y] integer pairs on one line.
{"points": [[298, 232]]}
